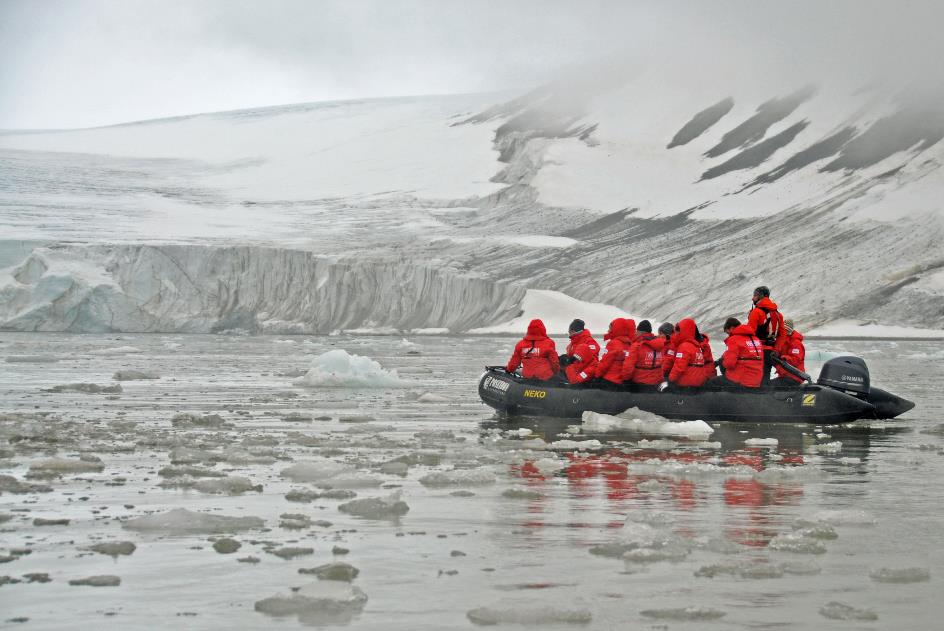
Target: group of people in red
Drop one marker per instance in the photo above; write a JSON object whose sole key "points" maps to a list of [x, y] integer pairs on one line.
{"points": [[677, 355]]}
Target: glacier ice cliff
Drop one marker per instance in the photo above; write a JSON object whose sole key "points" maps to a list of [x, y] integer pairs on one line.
{"points": [[187, 288]]}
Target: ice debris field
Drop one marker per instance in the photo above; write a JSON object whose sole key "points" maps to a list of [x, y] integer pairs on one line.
{"points": [[226, 481]]}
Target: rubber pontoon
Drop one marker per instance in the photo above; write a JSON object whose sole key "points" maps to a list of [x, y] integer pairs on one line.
{"points": [[842, 394]]}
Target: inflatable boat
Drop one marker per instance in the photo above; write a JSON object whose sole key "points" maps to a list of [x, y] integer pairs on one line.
{"points": [[841, 394]]}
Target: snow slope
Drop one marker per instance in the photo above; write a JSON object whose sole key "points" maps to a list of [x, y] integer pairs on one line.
{"points": [[652, 191]]}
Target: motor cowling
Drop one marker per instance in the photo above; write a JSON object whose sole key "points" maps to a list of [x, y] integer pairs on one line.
{"points": [[849, 374]]}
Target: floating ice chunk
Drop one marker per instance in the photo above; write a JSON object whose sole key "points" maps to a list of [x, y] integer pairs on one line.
{"points": [[458, 477], [181, 521], [9, 484], [682, 614], [230, 485], [671, 551], [430, 397], [105, 580], [797, 542], [333, 572], [338, 369], [226, 545], [840, 611], [188, 421], [355, 480], [87, 388], [188, 472], [639, 421], [827, 448], [56, 466], [114, 548], [324, 602], [659, 443], [903, 575], [814, 529], [289, 552], [239, 456], [761, 442], [549, 466], [118, 350], [535, 615], [315, 471], [134, 375], [522, 494], [190, 455], [578, 445], [376, 507]]}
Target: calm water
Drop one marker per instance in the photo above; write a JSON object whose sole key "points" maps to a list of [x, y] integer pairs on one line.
{"points": [[502, 525]]}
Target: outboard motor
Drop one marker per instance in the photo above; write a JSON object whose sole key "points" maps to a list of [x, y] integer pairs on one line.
{"points": [[848, 374]]}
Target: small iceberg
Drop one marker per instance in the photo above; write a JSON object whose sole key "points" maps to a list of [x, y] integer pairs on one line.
{"points": [[339, 369]]}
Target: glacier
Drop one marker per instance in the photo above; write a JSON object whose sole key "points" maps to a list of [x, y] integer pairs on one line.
{"points": [[645, 195]]}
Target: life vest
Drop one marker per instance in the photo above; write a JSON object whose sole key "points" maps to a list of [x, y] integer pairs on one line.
{"points": [[644, 364], [744, 360]]}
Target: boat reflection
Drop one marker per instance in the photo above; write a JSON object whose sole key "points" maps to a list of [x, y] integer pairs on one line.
{"points": [[753, 472]]}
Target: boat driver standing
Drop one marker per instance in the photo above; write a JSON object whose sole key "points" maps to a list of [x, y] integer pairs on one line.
{"points": [[767, 324]]}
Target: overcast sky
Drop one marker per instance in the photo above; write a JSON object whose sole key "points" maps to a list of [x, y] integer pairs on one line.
{"points": [[73, 63]]}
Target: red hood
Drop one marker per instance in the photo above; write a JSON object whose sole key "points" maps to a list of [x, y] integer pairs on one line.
{"points": [[582, 336], [743, 330], [796, 335], [536, 330], [621, 328], [686, 330], [766, 303]]}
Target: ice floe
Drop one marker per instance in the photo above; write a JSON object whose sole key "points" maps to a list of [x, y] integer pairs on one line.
{"points": [[376, 507], [639, 421], [900, 575], [181, 521], [534, 615], [339, 369], [323, 602]]}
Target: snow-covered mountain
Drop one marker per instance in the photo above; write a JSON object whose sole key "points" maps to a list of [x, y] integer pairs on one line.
{"points": [[442, 212]]}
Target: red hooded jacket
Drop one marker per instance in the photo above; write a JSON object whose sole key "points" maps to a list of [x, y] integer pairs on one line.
{"points": [[620, 337], [584, 349], [536, 353], [688, 369], [644, 363], [744, 360], [766, 322], [793, 352]]}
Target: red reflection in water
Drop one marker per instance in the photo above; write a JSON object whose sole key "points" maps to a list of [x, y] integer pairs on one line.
{"points": [[614, 469]]}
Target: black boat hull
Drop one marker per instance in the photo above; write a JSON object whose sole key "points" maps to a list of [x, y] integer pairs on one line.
{"points": [[807, 403]]}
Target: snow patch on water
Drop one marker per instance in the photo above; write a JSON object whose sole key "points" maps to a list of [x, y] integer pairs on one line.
{"points": [[339, 369]]}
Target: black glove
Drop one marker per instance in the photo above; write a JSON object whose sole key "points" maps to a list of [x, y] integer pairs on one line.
{"points": [[567, 360]]}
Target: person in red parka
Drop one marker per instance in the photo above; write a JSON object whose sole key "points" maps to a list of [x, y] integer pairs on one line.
{"points": [[581, 358], [688, 369], [743, 361], [643, 365], [705, 344], [793, 352], [767, 323], [620, 336], [536, 354]]}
